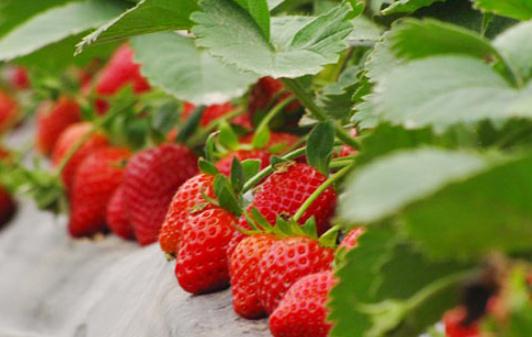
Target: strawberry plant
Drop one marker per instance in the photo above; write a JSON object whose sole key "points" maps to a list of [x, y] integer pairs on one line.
{"points": [[350, 168]]}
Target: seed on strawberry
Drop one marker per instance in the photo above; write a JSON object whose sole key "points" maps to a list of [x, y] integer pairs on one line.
{"points": [[303, 311], [287, 261], [97, 178], [455, 326], [151, 179], [243, 268], [52, 119], [201, 263], [188, 199], [117, 216], [69, 138]]}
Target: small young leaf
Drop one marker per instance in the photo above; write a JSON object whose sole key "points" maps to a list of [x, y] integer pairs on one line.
{"points": [[237, 175], [228, 137], [208, 167], [261, 137], [250, 167], [320, 147], [226, 196], [191, 125]]}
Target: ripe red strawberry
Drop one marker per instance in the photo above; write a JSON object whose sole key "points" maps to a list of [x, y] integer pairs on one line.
{"points": [[303, 311], [72, 135], [18, 76], [188, 198], [351, 239], [151, 179], [52, 119], [8, 111], [287, 261], [210, 114], [286, 190], [97, 178], [243, 268], [453, 321], [279, 142], [202, 256], [120, 71], [116, 216]]}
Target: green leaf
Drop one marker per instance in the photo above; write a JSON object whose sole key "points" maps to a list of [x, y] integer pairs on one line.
{"points": [[208, 167], [237, 175], [365, 32], [173, 63], [320, 146], [226, 196], [250, 167], [55, 25], [387, 185], [487, 212], [516, 9], [191, 125], [446, 90], [261, 137], [386, 286], [148, 16], [336, 99], [382, 60], [412, 39], [407, 6], [228, 138], [515, 45], [166, 117], [298, 45], [259, 11]]}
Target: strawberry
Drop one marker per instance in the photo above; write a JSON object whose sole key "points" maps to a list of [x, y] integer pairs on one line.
{"points": [[52, 119], [210, 114], [97, 178], [188, 198], [286, 190], [279, 141], [18, 76], [8, 111], [351, 239], [120, 71], [116, 216], [7, 207], [288, 260], [303, 311], [454, 322], [202, 256], [151, 179], [70, 137], [243, 267]]}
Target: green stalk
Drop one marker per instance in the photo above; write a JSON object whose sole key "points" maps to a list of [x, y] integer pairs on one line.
{"points": [[315, 195], [269, 170], [203, 133], [265, 122], [295, 86]]}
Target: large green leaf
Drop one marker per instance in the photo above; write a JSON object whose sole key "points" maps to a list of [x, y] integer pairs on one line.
{"points": [[365, 32], [177, 66], [57, 24], [382, 59], [13, 12], [490, 211], [298, 46], [517, 9], [147, 16], [385, 285], [259, 11], [336, 98], [386, 186], [515, 45], [446, 90], [407, 6], [414, 38]]}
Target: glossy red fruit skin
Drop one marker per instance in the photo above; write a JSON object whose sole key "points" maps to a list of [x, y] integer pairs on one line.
{"points": [[120, 71], [286, 262], [286, 190], [187, 200], [303, 311], [201, 263], [69, 138], [454, 327], [116, 216], [52, 119], [8, 111], [97, 178], [152, 177], [243, 268]]}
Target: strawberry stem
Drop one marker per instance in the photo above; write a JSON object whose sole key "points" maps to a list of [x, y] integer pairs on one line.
{"points": [[269, 169], [295, 86], [333, 178], [203, 133], [265, 122]]}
